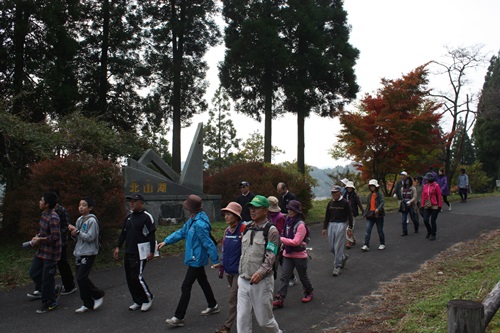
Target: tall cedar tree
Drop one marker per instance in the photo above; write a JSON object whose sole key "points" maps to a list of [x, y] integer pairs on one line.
{"points": [[487, 127], [220, 135], [320, 69], [37, 57], [393, 130], [111, 70], [254, 61], [181, 31]]}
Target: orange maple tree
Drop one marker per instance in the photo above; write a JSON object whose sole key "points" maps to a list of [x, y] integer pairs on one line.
{"points": [[395, 130]]}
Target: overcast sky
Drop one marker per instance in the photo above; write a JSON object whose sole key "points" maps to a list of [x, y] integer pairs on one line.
{"points": [[393, 37]]}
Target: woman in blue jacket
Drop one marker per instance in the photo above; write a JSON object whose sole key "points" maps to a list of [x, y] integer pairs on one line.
{"points": [[199, 246]]}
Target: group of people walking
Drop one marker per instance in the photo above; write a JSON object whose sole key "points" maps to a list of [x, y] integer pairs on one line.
{"points": [[261, 233]]}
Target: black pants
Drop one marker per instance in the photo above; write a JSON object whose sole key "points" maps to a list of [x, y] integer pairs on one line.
{"points": [[193, 274], [134, 268], [42, 272], [88, 291], [67, 278], [431, 214]]}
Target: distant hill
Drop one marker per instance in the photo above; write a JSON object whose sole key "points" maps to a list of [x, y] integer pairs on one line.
{"points": [[325, 183]]}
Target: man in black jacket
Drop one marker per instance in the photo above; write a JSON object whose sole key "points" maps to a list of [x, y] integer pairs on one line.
{"points": [[285, 198], [138, 228]]}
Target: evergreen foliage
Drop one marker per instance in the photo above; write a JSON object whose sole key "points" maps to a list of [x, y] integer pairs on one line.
{"points": [[487, 128]]}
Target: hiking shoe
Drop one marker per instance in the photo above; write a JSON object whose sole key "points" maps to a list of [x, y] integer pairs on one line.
{"points": [[134, 307], [344, 260], [46, 307], [365, 248], [292, 282], [223, 329], [336, 271], [381, 247], [432, 237], [82, 309], [209, 311], [278, 303], [176, 322], [145, 306], [308, 296], [68, 292], [34, 295], [98, 302]]}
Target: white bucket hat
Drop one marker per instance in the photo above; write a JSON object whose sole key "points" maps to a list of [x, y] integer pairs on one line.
{"points": [[350, 184], [344, 181], [373, 182]]}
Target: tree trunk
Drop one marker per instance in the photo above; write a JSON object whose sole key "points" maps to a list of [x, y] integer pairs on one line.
{"points": [[465, 317], [268, 121], [21, 20], [178, 50], [301, 140], [103, 73]]}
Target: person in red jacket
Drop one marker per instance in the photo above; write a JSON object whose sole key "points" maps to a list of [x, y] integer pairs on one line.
{"points": [[432, 203]]}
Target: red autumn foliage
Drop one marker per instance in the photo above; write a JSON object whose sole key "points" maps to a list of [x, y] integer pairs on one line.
{"points": [[395, 130], [74, 176], [263, 179]]}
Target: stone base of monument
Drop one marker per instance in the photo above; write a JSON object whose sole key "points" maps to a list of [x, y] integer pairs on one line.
{"points": [[170, 211]]}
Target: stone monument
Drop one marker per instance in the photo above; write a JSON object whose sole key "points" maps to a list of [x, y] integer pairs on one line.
{"points": [[164, 190]]}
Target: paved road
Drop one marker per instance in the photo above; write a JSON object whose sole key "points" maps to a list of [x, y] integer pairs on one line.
{"points": [[332, 296]]}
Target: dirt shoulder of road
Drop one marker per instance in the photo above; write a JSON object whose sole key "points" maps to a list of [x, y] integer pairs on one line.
{"points": [[399, 305]]}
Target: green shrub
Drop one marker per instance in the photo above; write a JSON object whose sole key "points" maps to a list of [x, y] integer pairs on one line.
{"points": [[74, 176], [263, 179]]}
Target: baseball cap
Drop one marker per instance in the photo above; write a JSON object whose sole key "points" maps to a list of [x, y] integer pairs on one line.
{"points": [[259, 201], [336, 188], [244, 184], [404, 173], [135, 196]]}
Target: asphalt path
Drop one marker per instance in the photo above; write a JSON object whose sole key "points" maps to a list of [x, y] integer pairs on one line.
{"points": [[333, 296]]}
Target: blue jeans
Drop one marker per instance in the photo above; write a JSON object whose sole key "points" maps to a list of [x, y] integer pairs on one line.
{"points": [[413, 217], [379, 221], [43, 272]]}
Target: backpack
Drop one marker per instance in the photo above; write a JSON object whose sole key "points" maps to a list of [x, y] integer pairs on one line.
{"points": [[266, 233]]}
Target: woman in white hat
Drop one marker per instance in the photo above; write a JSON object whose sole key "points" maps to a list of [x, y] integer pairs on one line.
{"points": [[353, 199], [374, 214]]}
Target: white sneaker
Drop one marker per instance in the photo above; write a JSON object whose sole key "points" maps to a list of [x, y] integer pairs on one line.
{"points": [[82, 309], [292, 282], [176, 322], [336, 271], [365, 248], [449, 208], [381, 247], [145, 306], [134, 307], [98, 302], [209, 311]]}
